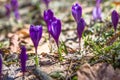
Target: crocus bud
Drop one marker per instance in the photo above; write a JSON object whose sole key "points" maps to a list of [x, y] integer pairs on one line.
{"points": [[80, 27], [0, 65], [14, 4], [76, 12], [35, 34], [48, 15], [97, 11], [49, 18], [98, 2], [115, 19], [55, 29], [47, 3], [17, 15], [23, 58], [8, 10]]}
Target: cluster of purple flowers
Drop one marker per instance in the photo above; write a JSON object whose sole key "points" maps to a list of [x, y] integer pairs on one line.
{"points": [[97, 15], [12, 6], [54, 29], [54, 25], [77, 14]]}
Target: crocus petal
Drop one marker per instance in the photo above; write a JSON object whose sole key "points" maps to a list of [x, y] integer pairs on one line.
{"points": [[35, 34], [23, 58], [55, 29], [8, 10], [80, 27], [115, 19], [0, 63], [14, 4], [17, 15], [76, 12], [97, 13], [49, 23]]}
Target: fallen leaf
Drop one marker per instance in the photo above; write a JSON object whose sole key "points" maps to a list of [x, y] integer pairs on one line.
{"points": [[14, 43], [100, 71], [23, 33]]}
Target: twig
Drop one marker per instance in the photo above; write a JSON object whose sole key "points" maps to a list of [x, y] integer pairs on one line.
{"points": [[69, 67]]}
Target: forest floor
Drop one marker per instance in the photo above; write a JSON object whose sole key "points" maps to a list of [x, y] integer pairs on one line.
{"points": [[98, 45]]}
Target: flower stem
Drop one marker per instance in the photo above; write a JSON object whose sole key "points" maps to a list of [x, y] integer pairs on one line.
{"points": [[79, 45], [23, 78], [59, 52], [57, 46], [50, 45], [36, 58]]}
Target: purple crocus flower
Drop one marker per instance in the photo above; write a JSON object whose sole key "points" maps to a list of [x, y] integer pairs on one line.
{"points": [[115, 19], [47, 3], [0, 64], [8, 10], [97, 11], [35, 34], [48, 15], [17, 15], [77, 12], [80, 27], [98, 2], [55, 29], [14, 4], [23, 59]]}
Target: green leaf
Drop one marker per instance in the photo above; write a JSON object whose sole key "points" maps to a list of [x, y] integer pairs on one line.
{"points": [[36, 60], [60, 53], [64, 48], [75, 78]]}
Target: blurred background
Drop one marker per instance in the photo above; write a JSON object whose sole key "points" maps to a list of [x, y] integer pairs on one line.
{"points": [[31, 12]]}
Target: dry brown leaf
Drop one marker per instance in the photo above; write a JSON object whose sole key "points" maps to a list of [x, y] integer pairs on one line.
{"points": [[14, 43], [23, 33], [100, 71], [116, 3]]}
